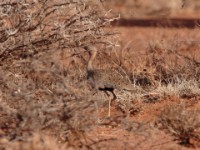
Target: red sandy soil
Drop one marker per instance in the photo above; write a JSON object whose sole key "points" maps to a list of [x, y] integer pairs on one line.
{"points": [[142, 137]]}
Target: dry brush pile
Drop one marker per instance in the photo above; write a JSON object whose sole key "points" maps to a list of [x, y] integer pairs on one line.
{"points": [[36, 93]]}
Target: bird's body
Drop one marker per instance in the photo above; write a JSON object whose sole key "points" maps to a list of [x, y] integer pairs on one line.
{"points": [[105, 80]]}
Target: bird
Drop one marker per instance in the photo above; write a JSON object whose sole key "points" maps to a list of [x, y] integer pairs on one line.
{"points": [[105, 80]]}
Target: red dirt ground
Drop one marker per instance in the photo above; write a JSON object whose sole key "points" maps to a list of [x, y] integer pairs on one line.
{"points": [[142, 137]]}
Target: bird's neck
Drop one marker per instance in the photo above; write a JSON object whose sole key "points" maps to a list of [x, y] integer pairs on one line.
{"points": [[90, 66]]}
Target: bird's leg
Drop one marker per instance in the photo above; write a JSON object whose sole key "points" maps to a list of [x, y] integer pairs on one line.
{"points": [[108, 103], [110, 100], [109, 106], [106, 93], [114, 96]]}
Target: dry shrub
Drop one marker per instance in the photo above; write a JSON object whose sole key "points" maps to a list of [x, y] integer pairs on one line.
{"points": [[170, 64], [31, 27], [37, 142], [181, 88], [36, 92], [164, 70], [181, 123], [171, 72]]}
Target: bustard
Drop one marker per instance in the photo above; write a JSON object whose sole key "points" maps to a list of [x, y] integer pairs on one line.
{"points": [[105, 80]]}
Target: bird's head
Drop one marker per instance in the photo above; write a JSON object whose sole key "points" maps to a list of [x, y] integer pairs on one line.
{"points": [[90, 49]]}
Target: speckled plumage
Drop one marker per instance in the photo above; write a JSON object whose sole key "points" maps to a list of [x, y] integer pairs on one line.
{"points": [[102, 79]]}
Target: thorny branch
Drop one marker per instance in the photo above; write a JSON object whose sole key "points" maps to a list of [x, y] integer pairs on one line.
{"points": [[28, 27]]}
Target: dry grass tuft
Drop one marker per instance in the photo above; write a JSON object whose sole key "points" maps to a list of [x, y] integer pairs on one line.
{"points": [[37, 142], [181, 123]]}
